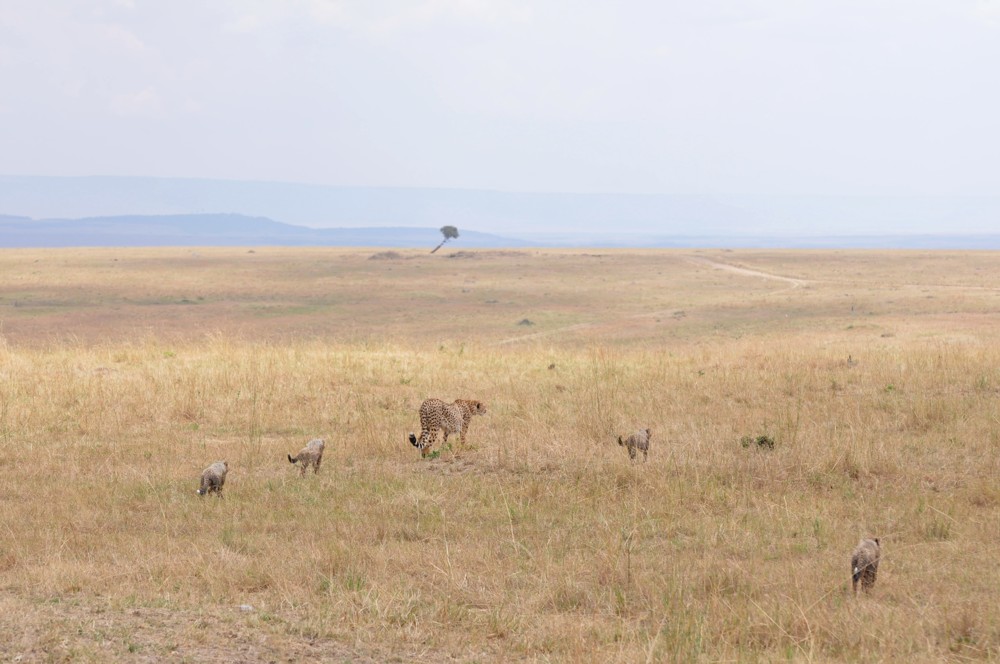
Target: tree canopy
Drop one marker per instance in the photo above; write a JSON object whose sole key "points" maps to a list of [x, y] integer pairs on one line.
{"points": [[449, 233]]}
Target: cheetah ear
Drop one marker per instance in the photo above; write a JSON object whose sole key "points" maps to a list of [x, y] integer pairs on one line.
{"points": [[877, 543], [620, 441]]}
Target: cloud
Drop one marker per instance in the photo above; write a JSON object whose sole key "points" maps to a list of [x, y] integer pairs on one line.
{"points": [[373, 20], [989, 12], [143, 103], [327, 11], [728, 95], [113, 36], [245, 24]]}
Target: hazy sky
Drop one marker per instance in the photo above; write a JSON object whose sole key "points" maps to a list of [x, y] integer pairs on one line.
{"points": [[699, 96]]}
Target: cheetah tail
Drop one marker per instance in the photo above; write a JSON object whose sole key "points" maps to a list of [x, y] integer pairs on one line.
{"points": [[292, 459]]}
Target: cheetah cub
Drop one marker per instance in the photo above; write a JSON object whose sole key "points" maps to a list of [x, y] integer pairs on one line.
{"points": [[213, 477], [864, 564], [637, 441], [310, 455]]}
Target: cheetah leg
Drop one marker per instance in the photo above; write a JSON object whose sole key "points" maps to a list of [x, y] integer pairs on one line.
{"points": [[465, 428], [427, 440], [316, 465]]}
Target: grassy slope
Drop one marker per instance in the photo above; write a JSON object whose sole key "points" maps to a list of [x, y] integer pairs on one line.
{"points": [[877, 374]]}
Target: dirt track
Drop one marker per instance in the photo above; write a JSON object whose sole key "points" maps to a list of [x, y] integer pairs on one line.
{"points": [[747, 272], [794, 283]]}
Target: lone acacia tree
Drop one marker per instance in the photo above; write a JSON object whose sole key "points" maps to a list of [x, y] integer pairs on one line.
{"points": [[449, 233]]}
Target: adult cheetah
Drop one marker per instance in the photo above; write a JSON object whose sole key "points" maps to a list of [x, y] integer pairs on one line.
{"points": [[450, 418]]}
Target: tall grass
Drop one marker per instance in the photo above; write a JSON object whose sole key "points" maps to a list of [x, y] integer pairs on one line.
{"points": [[541, 540]]}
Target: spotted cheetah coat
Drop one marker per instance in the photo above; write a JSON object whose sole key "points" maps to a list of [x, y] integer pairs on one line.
{"points": [[436, 415]]}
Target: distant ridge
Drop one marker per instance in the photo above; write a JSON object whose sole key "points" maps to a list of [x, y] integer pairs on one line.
{"points": [[214, 230], [519, 214], [236, 230]]}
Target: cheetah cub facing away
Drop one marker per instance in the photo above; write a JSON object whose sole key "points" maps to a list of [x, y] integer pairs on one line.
{"points": [[449, 418], [310, 455], [864, 564], [637, 441], [213, 477]]}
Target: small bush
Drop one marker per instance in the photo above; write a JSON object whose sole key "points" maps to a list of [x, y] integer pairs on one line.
{"points": [[437, 453], [386, 256], [763, 441]]}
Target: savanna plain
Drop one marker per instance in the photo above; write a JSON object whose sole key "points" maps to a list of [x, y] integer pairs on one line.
{"points": [[872, 377]]}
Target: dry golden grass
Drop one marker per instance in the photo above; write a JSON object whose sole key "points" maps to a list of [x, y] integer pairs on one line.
{"points": [[876, 374]]}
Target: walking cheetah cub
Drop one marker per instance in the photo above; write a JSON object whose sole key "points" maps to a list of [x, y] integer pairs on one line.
{"points": [[637, 441], [310, 455], [864, 564], [213, 477]]}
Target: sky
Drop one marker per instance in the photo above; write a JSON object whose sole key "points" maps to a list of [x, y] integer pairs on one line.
{"points": [[772, 97]]}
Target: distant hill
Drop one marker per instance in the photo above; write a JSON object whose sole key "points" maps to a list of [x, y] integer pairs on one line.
{"points": [[519, 214], [220, 230], [212, 230]]}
